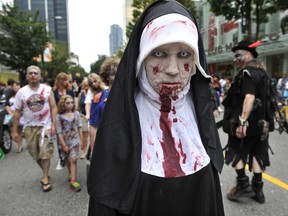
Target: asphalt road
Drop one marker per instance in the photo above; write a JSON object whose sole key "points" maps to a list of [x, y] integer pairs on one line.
{"points": [[21, 194]]}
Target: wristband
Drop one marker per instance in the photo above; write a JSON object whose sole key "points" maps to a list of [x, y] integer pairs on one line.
{"points": [[243, 122]]}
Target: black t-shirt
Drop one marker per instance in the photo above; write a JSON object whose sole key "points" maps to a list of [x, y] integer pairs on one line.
{"points": [[248, 86]]}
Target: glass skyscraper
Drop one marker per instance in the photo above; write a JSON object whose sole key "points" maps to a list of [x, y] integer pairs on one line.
{"points": [[54, 12]]}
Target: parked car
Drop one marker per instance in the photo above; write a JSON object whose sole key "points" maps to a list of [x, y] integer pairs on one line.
{"points": [[5, 127]]}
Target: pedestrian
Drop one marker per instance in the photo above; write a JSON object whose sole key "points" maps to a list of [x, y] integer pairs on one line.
{"points": [[94, 105], [246, 109], [62, 86], [8, 89], [10, 109], [82, 111], [36, 102], [157, 149], [69, 131], [108, 70]]}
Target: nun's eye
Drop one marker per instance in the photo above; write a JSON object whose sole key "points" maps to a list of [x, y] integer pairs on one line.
{"points": [[184, 54], [159, 54]]}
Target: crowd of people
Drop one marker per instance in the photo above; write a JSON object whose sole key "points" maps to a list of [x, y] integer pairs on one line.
{"points": [[153, 134]]}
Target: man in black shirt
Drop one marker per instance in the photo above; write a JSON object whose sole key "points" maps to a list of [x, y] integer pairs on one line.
{"points": [[247, 122]]}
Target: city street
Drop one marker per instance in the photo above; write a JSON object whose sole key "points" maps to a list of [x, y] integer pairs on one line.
{"points": [[21, 193]]}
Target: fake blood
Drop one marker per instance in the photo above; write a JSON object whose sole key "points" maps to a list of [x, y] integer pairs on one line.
{"points": [[170, 164], [186, 66]]}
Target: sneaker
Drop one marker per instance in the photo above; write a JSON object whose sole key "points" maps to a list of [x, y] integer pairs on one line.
{"points": [[59, 166], [75, 186]]}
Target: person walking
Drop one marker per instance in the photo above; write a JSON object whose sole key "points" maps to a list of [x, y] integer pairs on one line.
{"points": [[82, 111], [62, 86], [10, 109], [69, 132], [94, 104], [246, 108], [157, 149], [37, 103]]}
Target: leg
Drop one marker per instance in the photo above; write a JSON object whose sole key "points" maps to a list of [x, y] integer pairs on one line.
{"points": [[74, 185], [20, 147], [257, 183], [45, 165], [85, 141], [93, 131]]}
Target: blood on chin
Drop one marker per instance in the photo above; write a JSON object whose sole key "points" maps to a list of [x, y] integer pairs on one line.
{"points": [[169, 89]]}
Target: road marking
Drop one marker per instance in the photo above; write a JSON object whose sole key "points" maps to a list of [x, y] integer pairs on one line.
{"points": [[274, 180]]}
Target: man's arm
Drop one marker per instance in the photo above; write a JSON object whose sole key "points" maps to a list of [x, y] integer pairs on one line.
{"points": [[16, 118], [246, 110]]}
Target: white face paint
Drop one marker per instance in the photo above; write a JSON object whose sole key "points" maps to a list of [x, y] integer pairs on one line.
{"points": [[169, 68]]}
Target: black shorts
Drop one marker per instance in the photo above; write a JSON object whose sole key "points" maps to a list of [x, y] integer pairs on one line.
{"points": [[249, 148]]}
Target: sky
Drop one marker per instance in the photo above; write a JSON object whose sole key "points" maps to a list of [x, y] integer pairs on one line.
{"points": [[89, 27], [90, 22]]}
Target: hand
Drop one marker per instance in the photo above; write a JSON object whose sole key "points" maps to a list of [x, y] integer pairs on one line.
{"points": [[241, 131], [52, 130], [66, 149]]}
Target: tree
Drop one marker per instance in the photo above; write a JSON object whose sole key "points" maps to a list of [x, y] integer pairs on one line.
{"points": [[24, 38], [140, 5], [78, 73], [60, 60], [248, 11], [95, 67]]}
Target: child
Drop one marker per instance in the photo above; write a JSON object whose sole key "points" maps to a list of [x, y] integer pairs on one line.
{"points": [[69, 130]]}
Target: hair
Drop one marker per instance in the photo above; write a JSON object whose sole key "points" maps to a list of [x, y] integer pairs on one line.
{"points": [[94, 76], [61, 104], [33, 67], [108, 67], [84, 82], [58, 83], [10, 82]]}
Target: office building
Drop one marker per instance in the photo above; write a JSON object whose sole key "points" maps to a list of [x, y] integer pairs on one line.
{"points": [[54, 12], [115, 39]]}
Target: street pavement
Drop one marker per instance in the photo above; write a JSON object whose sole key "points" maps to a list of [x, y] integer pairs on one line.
{"points": [[21, 193]]}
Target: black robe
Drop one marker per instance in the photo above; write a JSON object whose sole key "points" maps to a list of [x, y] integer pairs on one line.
{"points": [[116, 162]]}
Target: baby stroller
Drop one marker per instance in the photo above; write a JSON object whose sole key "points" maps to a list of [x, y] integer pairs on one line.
{"points": [[5, 126]]}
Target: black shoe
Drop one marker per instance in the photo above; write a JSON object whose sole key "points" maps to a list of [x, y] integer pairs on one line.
{"points": [[62, 163], [242, 190], [258, 189]]}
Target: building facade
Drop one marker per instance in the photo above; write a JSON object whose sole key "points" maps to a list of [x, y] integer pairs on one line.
{"points": [[220, 35], [54, 12], [115, 39]]}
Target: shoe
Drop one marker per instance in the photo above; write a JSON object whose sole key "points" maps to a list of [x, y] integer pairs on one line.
{"points": [[83, 156], [75, 186], [19, 150], [59, 166], [46, 187], [258, 189], [242, 190]]}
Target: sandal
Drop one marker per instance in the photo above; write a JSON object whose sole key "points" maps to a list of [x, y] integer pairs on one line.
{"points": [[41, 181], [46, 187], [19, 150]]}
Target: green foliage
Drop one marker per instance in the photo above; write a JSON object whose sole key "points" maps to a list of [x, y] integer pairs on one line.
{"points": [[78, 73], [24, 38], [140, 5], [95, 67], [59, 60], [248, 11]]}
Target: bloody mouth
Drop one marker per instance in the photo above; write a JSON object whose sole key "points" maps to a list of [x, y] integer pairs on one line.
{"points": [[169, 89]]}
